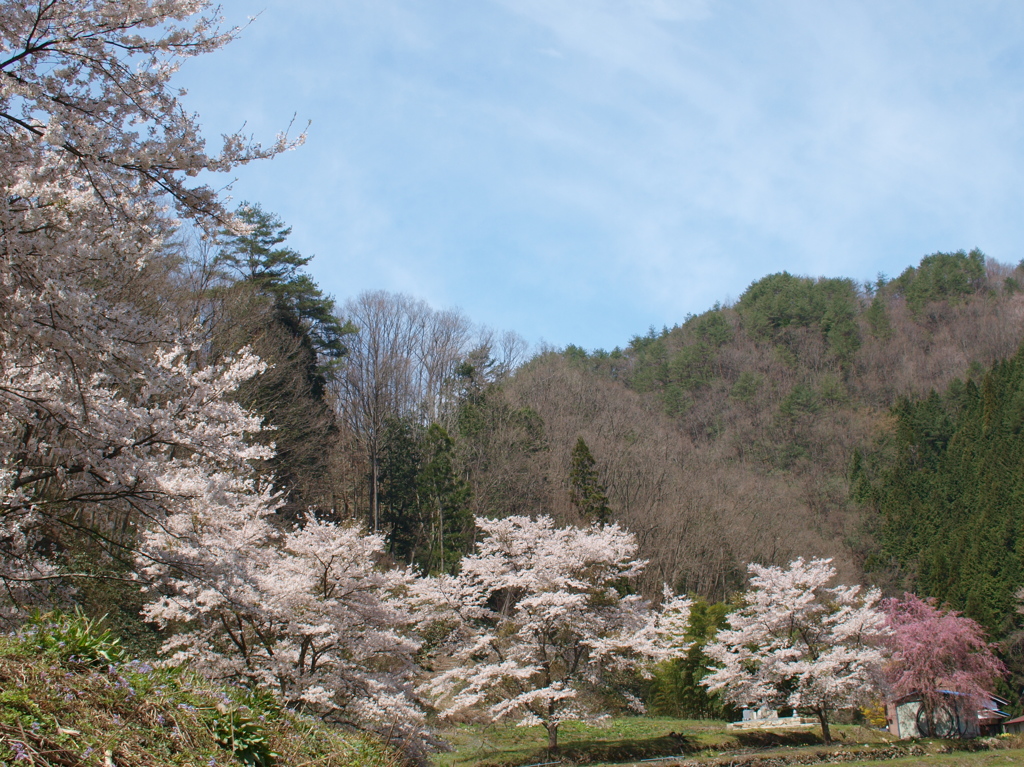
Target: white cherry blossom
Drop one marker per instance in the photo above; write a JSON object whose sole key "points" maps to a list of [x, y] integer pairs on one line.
{"points": [[796, 643], [542, 619], [105, 404]]}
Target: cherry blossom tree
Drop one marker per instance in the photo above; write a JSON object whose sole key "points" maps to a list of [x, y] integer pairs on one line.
{"points": [[306, 614], [936, 651], [111, 427], [106, 414], [797, 643], [542, 619]]}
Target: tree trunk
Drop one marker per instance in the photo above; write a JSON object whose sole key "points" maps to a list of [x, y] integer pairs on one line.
{"points": [[374, 494], [928, 709], [552, 737], [825, 734]]}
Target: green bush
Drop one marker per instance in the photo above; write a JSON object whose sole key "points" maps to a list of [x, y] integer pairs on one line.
{"points": [[245, 737], [74, 638]]}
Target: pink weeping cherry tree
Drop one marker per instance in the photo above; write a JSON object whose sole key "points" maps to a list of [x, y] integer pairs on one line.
{"points": [[936, 652]]}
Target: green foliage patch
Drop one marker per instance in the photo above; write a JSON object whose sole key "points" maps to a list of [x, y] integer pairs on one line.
{"points": [[69, 697], [941, 277], [781, 302], [75, 639], [950, 494]]}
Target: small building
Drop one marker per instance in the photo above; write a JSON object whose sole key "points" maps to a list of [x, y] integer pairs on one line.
{"points": [[769, 719], [992, 718], [1014, 726], [953, 718]]}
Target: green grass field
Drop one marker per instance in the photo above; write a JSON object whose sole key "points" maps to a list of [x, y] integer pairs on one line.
{"points": [[659, 742]]}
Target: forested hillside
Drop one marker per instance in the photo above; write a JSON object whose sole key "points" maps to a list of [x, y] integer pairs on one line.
{"points": [[944, 491], [732, 437], [742, 434]]}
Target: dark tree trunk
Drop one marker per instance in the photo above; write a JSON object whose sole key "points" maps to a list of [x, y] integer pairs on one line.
{"points": [[823, 719], [552, 738]]}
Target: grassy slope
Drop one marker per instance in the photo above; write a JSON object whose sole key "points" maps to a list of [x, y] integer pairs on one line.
{"points": [[627, 741], [57, 710], [617, 740]]}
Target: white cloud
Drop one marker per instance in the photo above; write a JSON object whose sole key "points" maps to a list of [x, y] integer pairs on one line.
{"points": [[536, 161]]}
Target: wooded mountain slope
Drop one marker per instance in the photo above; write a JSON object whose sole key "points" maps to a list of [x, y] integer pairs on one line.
{"points": [[732, 437], [773, 428], [949, 495]]}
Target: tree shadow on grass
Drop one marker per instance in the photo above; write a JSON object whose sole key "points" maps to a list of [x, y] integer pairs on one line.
{"points": [[770, 739], [585, 751]]}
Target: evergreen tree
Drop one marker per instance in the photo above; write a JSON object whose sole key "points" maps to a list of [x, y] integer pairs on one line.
{"points": [[257, 260], [425, 511], [444, 498], [777, 304], [676, 689], [400, 461], [268, 303], [878, 319], [586, 492]]}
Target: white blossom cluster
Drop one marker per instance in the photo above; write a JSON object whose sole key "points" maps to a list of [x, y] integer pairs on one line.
{"points": [[106, 417], [306, 614], [543, 619], [797, 643]]}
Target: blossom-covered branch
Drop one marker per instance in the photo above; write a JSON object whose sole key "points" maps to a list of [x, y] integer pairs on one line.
{"points": [[541, 619]]}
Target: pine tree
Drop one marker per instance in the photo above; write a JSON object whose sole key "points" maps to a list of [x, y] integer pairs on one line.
{"points": [[270, 305], [257, 260], [585, 489], [401, 515], [444, 497]]}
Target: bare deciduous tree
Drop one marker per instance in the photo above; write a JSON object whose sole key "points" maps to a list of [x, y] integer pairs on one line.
{"points": [[402, 362]]}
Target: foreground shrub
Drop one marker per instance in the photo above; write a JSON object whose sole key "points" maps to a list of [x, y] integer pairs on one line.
{"points": [[58, 708]]}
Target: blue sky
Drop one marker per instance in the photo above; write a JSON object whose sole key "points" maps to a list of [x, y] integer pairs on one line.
{"points": [[580, 170]]}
